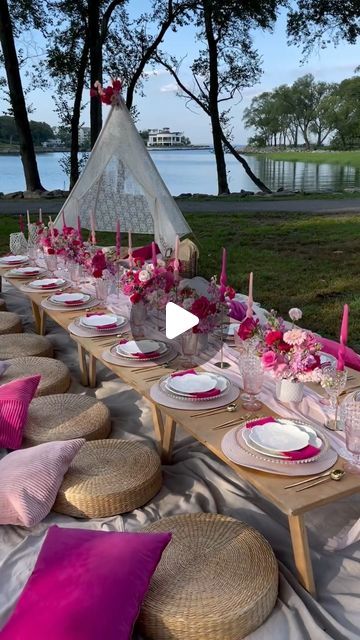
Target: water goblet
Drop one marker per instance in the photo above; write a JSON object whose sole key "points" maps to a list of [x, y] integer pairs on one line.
{"points": [[252, 376], [51, 262], [101, 289], [334, 382], [352, 434]]}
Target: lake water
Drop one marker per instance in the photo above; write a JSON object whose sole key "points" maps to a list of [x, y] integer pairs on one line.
{"points": [[195, 172]]}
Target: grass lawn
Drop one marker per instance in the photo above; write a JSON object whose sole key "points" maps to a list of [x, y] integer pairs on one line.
{"points": [[325, 157], [299, 260]]}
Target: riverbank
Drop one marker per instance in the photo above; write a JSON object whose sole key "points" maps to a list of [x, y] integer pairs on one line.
{"points": [[302, 260], [347, 158]]}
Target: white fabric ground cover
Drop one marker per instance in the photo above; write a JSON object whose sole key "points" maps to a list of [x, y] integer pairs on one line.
{"points": [[196, 481]]}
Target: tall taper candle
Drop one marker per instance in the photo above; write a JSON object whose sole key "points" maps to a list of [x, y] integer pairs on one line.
{"points": [[118, 239], [40, 214], [223, 276], [250, 300], [21, 223], [343, 338], [176, 260], [92, 224], [28, 218], [131, 261], [153, 254]]}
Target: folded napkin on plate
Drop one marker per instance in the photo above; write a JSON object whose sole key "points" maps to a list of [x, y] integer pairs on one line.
{"points": [[95, 313], [352, 359], [112, 325], [74, 302], [301, 454], [200, 394], [140, 355], [49, 286]]}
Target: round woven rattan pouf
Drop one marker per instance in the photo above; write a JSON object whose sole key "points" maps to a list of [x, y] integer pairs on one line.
{"points": [[108, 477], [217, 580], [9, 322], [64, 417], [15, 345], [55, 376]]}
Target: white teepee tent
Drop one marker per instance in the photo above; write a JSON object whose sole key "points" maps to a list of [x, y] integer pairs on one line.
{"points": [[120, 181]]}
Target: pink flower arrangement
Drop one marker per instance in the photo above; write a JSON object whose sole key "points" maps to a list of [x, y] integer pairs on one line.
{"points": [[98, 264], [293, 354], [109, 95]]}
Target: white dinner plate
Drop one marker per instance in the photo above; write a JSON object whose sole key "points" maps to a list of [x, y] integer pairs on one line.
{"points": [[221, 383], [73, 298], [277, 437], [14, 259], [326, 358], [97, 321], [133, 347], [245, 434], [228, 330], [192, 383], [47, 282]]}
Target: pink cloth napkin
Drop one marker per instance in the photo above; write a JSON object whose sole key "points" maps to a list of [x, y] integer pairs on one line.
{"points": [[144, 253], [113, 325], [49, 286], [74, 303], [95, 313], [352, 359], [301, 454], [200, 394]]}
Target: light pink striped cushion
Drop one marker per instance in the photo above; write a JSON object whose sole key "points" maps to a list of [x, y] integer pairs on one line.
{"points": [[30, 479], [15, 398]]}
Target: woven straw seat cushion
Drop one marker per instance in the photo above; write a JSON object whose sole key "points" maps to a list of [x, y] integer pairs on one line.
{"points": [[9, 322], [55, 376], [217, 579], [109, 477], [15, 345], [65, 417], [2, 304]]}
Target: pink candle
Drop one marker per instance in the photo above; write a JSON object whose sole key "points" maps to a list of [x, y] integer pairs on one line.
{"points": [[118, 239], [92, 224], [63, 219], [343, 338], [28, 218], [153, 253], [250, 302], [21, 223], [223, 276], [176, 260], [79, 228], [131, 261]]}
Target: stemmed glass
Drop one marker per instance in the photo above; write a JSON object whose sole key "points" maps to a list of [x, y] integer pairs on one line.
{"points": [[352, 433], [334, 382], [252, 376]]}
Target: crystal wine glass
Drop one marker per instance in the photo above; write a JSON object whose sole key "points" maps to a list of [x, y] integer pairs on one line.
{"points": [[334, 382], [352, 433], [252, 376]]}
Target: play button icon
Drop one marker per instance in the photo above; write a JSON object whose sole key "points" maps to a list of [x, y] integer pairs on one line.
{"points": [[178, 320]]}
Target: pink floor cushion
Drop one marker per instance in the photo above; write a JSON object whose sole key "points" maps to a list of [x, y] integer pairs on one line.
{"points": [[30, 479], [15, 397], [86, 585]]}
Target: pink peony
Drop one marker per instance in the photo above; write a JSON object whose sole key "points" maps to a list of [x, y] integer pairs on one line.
{"points": [[247, 328]]}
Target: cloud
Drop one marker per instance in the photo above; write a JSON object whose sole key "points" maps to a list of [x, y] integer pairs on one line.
{"points": [[169, 88], [155, 72]]}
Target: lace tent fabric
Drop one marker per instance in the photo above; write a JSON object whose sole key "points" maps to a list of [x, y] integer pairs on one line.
{"points": [[120, 181]]}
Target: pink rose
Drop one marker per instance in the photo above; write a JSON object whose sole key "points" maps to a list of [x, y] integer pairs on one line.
{"points": [[269, 360]]}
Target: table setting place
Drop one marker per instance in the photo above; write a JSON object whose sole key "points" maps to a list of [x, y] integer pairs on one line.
{"points": [[141, 354]]}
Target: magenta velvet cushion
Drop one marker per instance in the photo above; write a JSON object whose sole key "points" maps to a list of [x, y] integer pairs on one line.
{"points": [[144, 253], [86, 585], [15, 397], [30, 479]]}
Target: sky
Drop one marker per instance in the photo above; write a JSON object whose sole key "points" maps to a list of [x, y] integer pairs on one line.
{"points": [[161, 107]]}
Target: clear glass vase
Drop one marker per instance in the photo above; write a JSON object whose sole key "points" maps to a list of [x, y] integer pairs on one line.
{"points": [[138, 314], [189, 348], [101, 289], [51, 262]]}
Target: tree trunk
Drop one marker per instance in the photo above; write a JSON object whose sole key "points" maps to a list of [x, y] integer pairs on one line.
{"points": [[259, 183], [27, 151], [95, 47], [296, 137], [223, 186], [75, 118]]}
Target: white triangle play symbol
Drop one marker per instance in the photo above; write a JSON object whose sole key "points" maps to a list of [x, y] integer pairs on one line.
{"points": [[178, 320]]}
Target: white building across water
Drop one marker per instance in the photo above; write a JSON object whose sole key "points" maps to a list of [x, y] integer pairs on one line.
{"points": [[164, 137]]}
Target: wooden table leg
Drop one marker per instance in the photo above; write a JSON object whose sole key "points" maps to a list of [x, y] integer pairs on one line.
{"points": [[168, 439], [92, 371], [301, 552], [83, 365], [42, 330], [37, 316], [158, 425]]}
